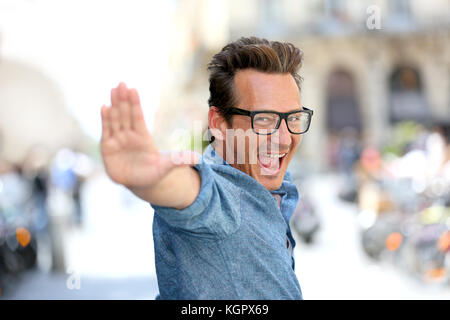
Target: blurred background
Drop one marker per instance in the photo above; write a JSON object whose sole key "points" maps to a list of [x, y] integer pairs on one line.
{"points": [[373, 171]]}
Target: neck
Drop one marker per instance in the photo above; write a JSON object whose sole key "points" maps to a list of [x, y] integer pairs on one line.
{"points": [[220, 149]]}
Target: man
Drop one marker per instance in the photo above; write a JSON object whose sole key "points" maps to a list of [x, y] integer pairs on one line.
{"points": [[221, 224]]}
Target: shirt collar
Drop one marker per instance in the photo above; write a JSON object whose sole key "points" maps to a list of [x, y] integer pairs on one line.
{"points": [[210, 156]]}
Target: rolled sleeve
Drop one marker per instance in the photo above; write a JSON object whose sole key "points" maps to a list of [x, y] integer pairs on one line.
{"points": [[215, 211]]}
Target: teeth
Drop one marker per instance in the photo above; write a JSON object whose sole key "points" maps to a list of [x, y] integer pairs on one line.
{"points": [[275, 155]]}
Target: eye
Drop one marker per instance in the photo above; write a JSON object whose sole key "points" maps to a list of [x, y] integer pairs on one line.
{"points": [[265, 118], [294, 118]]}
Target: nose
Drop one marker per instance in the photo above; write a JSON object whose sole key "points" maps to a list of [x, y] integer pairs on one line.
{"points": [[282, 134]]}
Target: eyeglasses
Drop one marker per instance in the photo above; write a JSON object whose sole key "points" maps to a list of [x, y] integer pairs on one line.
{"points": [[266, 122]]}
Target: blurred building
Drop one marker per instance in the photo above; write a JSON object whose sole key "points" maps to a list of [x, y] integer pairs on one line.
{"points": [[368, 64], [50, 91], [33, 107], [32, 113]]}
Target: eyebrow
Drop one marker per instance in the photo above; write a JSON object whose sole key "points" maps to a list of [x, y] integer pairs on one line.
{"points": [[299, 108]]}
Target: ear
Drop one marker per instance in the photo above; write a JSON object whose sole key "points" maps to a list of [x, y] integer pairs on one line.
{"points": [[217, 123]]}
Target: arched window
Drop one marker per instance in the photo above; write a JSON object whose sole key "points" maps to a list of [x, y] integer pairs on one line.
{"points": [[407, 100], [343, 121], [342, 106]]}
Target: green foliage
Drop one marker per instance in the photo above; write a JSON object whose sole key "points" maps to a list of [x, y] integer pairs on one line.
{"points": [[196, 139], [403, 134]]}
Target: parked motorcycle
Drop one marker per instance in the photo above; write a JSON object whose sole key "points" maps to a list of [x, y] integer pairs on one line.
{"points": [[305, 220]]}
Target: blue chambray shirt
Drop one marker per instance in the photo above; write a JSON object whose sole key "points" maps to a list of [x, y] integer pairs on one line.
{"points": [[231, 242]]}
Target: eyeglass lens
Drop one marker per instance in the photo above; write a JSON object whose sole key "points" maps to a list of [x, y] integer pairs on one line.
{"points": [[267, 122]]}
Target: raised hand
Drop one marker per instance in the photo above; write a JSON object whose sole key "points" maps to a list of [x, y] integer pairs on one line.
{"points": [[129, 154]]}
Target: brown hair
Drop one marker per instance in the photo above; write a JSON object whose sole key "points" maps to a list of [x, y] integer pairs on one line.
{"points": [[245, 53]]}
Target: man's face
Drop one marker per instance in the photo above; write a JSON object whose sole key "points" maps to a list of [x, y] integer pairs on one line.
{"points": [[266, 156]]}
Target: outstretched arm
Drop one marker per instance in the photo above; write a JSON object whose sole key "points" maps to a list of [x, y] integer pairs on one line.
{"points": [[131, 158]]}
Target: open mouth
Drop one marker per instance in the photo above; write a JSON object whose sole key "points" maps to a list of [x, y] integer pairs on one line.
{"points": [[270, 163]]}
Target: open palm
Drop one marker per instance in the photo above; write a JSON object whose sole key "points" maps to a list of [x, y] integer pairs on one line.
{"points": [[129, 154]]}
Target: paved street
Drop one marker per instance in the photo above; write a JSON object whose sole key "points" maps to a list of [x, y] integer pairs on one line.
{"points": [[39, 285]]}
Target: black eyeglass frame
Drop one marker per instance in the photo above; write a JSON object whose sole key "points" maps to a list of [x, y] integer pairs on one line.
{"points": [[281, 115]]}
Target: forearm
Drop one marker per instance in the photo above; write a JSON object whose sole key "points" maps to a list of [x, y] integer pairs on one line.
{"points": [[178, 189]]}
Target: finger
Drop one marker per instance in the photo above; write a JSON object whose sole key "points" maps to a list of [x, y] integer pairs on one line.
{"points": [[124, 107], [115, 97], [106, 123], [114, 111], [137, 116], [114, 119]]}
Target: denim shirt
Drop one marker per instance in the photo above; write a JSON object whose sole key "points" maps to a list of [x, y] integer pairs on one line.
{"points": [[231, 242]]}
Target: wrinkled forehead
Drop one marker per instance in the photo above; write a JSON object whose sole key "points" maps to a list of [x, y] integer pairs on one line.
{"points": [[257, 90]]}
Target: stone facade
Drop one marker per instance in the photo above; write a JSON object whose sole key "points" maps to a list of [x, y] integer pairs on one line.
{"points": [[335, 37]]}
